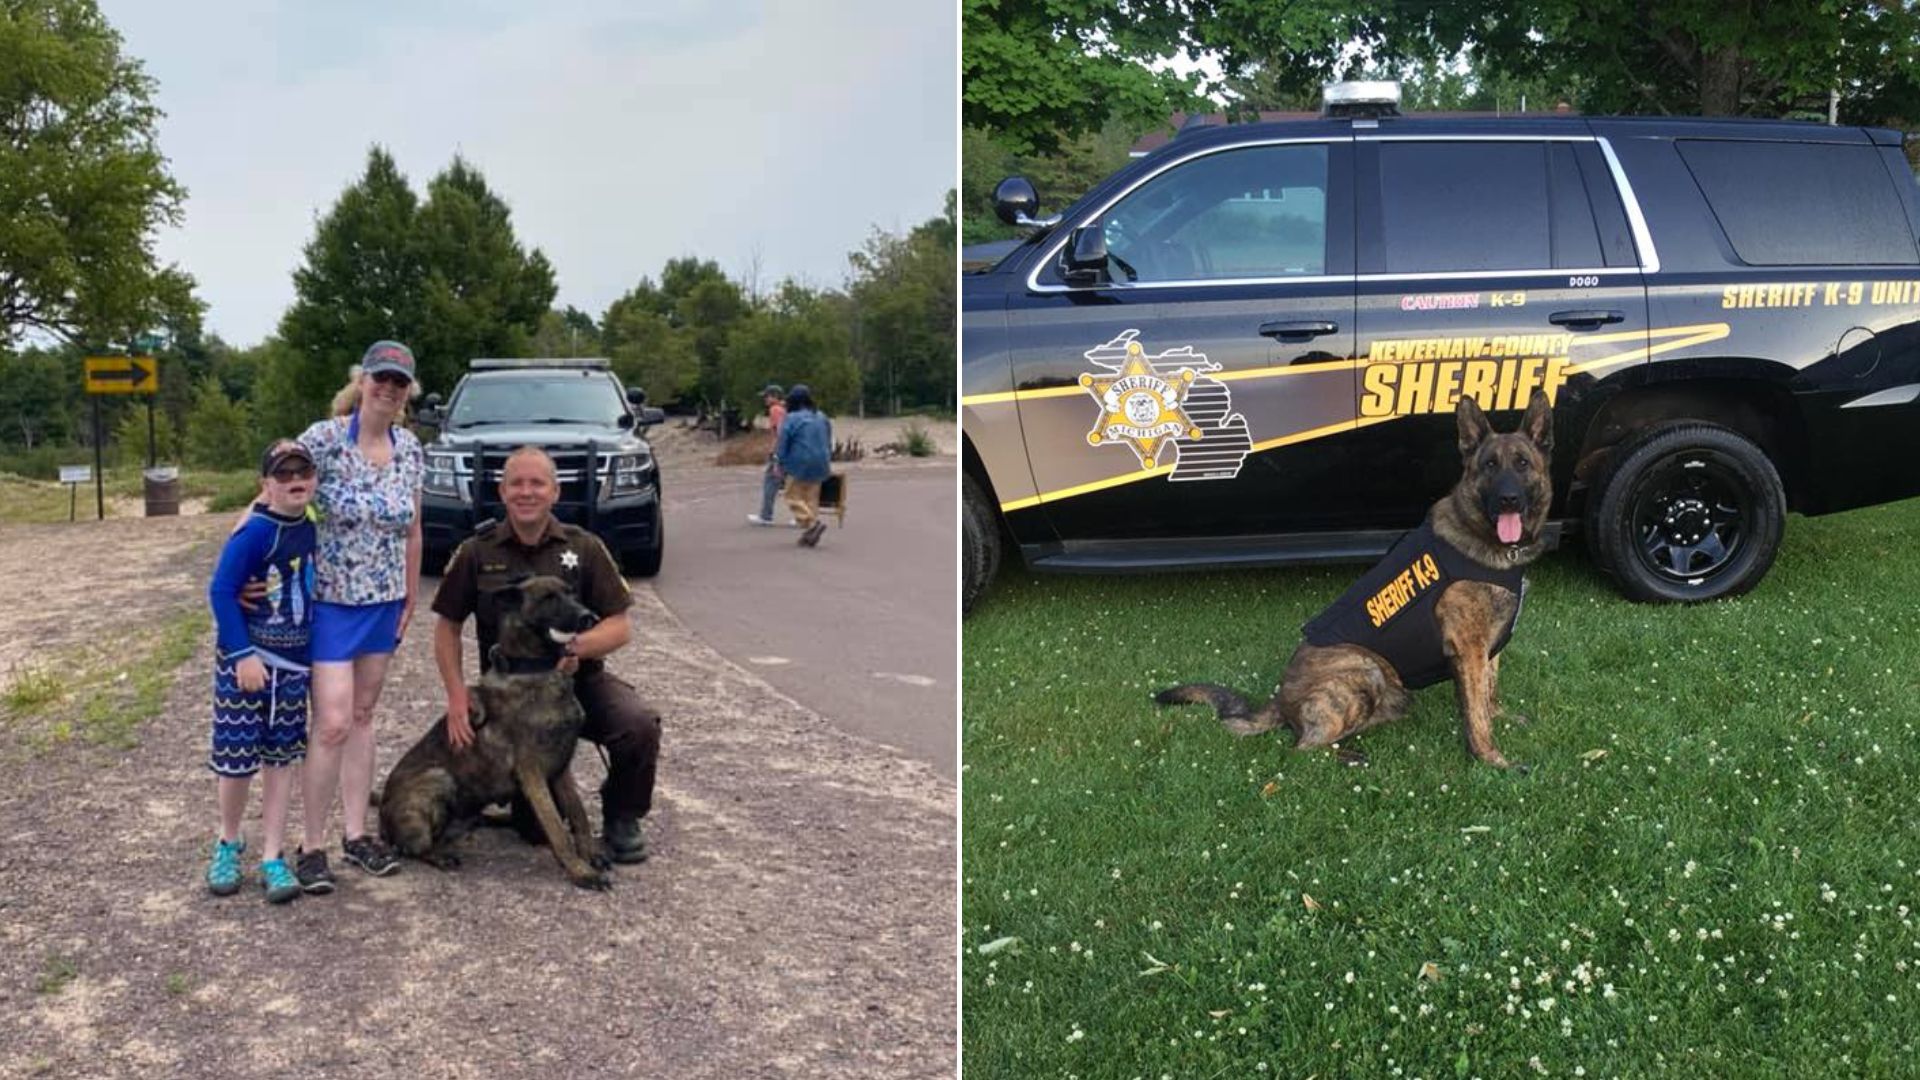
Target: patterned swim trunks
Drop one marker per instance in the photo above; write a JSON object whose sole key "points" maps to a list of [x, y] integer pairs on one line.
{"points": [[266, 727]]}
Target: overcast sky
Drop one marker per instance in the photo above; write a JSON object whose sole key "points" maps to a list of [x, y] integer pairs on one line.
{"points": [[620, 134]]}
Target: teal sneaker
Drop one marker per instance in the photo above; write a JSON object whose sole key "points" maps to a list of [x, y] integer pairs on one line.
{"points": [[223, 873], [279, 880]]}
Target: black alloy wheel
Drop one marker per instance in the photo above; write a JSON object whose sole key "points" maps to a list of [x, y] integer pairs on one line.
{"points": [[1689, 512]]}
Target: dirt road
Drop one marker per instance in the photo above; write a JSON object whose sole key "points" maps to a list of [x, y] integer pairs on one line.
{"points": [[796, 918]]}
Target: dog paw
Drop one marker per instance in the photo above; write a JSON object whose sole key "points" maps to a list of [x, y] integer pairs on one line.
{"points": [[596, 880]]}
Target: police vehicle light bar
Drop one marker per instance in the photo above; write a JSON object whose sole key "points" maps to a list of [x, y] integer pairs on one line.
{"points": [[1376, 97], [584, 363]]}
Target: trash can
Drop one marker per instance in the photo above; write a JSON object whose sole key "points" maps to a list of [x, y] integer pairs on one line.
{"points": [[162, 488]]}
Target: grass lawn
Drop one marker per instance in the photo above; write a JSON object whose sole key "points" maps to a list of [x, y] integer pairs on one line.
{"points": [[41, 501], [1711, 871]]}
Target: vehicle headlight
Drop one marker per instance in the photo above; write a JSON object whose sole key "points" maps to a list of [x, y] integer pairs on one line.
{"points": [[443, 474], [632, 471]]}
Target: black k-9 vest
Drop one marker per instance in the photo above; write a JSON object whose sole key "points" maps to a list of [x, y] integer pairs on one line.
{"points": [[1390, 610]]}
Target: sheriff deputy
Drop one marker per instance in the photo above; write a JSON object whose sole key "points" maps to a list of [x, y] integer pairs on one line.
{"points": [[534, 542]]}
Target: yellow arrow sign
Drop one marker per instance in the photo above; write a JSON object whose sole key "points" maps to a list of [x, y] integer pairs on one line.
{"points": [[122, 375]]}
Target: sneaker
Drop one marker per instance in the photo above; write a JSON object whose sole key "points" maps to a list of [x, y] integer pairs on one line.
{"points": [[370, 855], [223, 873], [756, 519], [311, 868], [279, 880]]}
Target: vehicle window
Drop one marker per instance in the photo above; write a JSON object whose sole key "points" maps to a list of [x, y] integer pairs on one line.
{"points": [[1464, 206], [562, 399], [1801, 204], [1259, 212]]}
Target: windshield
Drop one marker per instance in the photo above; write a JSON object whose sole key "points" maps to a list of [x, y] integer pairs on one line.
{"points": [[583, 398]]}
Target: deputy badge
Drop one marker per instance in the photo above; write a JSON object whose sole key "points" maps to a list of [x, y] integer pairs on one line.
{"points": [[1147, 402], [569, 560]]}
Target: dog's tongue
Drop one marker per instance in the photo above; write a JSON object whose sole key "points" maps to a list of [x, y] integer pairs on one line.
{"points": [[1508, 526]]}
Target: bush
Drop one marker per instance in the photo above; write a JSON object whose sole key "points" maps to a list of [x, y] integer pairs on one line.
{"points": [[130, 438], [219, 429], [917, 440]]}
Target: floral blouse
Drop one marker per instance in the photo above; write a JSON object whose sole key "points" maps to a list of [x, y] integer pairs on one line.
{"points": [[365, 513]]}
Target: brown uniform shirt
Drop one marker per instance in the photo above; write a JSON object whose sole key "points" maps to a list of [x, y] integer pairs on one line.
{"points": [[494, 556]]}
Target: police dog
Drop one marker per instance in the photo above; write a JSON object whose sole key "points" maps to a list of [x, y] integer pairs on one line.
{"points": [[1437, 613], [526, 721]]}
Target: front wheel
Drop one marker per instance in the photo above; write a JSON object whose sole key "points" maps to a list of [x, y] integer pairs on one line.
{"points": [[980, 547], [646, 561], [1688, 512]]}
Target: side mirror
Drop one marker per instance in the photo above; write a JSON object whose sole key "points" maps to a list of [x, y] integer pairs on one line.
{"points": [[1015, 201], [624, 421], [650, 416], [1085, 260], [430, 409], [636, 396]]}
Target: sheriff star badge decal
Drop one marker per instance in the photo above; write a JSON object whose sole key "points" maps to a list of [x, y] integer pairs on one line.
{"points": [[1139, 407]]}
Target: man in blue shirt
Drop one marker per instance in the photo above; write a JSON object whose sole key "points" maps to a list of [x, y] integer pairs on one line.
{"points": [[805, 453]]}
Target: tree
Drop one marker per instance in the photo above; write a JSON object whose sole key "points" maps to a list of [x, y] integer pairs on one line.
{"points": [[902, 297], [484, 294], [801, 337], [83, 184], [566, 333], [1687, 57], [37, 391], [219, 430], [695, 307], [362, 281], [448, 278], [648, 351]]}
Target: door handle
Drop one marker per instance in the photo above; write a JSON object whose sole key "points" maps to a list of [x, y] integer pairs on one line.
{"points": [[1585, 320], [1298, 331]]}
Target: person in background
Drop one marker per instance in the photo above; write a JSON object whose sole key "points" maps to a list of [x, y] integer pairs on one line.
{"points": [[770, 483], [804, 451]]}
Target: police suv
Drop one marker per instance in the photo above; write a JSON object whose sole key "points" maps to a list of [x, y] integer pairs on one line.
{"points": [[1246, 348], [575, 410]]}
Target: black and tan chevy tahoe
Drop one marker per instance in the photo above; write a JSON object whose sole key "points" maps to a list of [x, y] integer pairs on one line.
{"points": [[1246, 348]]}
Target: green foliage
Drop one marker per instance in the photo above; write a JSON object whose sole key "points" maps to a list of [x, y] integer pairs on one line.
{"points": [[362, 281], [484, 295], [902, 297], [37, 399], [32, 690], [1060, 178], [219, 430], [917, 440], [230, 490], [801, 337], [129, 440], [282, 406], [671, 335], [1694, 57], [83, 185], [566, 333], [1031, 77], [56, 974]]}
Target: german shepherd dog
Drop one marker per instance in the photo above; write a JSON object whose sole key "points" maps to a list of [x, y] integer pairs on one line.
{"points": [[1492, 519], [526, 721]]}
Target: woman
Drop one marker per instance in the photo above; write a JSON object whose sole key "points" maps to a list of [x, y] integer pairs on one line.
{"points": [[367, 576]]}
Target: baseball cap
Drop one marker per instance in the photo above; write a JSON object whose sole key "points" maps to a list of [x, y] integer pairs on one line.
{"points": [[281, 451], [773, 390], [387, 356]]}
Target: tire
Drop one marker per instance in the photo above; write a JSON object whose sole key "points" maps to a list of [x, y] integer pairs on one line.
{"points": [[1687, 512], [646, 561], [980, 543]]}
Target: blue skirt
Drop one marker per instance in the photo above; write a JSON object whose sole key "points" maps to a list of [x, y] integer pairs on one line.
{"points": [[344, 631]]}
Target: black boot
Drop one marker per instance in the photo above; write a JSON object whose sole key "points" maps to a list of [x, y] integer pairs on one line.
{"points": [[624, 842]]}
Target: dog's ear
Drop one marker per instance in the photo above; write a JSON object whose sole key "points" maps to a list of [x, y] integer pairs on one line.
{"points": [[509, 597], [1538, 423], [1474, 428]]}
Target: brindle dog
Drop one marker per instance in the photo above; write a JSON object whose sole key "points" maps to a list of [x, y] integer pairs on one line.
{"points": [[1493, 516], [526, 721]]}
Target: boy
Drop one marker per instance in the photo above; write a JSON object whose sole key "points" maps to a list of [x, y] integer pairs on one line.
{"points": [[260, 668]]}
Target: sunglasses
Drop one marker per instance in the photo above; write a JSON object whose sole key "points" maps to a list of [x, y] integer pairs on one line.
{"points": [[391, 378], [292, 472]]}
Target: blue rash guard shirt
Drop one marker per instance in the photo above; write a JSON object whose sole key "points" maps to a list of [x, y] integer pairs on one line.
{"points": [[1390, 610], [278, 549]]}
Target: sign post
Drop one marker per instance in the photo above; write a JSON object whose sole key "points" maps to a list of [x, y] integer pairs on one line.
{"points": [[118, 375], [73, 476]]}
